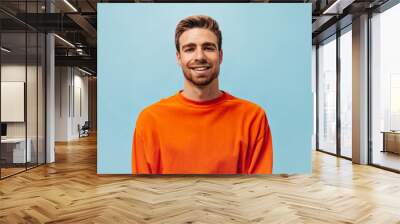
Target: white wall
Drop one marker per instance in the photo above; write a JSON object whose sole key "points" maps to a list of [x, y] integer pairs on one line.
{"points": [[71, 94], [15, 72], [80, 105], [62, 81], [9, 73], [33, 127]]}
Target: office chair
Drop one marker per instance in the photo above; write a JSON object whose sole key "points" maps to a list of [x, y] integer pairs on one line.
{"points": [[84, 130]]}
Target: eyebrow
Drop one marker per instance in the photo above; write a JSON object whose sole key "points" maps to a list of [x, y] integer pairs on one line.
{"points": [[204, 44], [188, 45], [209, 44]]}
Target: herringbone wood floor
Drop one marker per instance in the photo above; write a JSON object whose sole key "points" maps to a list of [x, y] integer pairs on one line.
{"points": [[70, 191]]}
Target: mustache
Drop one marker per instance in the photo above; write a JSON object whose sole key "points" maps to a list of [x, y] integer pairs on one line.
{"points": [[197, 63]]}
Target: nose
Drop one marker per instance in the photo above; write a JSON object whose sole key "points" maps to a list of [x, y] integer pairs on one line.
{"points": [[200, 54]]}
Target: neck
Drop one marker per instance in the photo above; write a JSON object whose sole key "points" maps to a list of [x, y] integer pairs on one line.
{"points": [[203, 93]]}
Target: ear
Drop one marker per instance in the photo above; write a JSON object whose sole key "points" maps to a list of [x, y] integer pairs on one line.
{"points": [[178, 58], [220, 56]]}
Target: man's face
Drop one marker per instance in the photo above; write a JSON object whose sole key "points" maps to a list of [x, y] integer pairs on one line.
{"points": [[199, 56]]}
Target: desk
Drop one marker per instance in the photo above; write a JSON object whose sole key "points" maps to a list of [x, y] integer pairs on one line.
{"points": [[391, 141], [15, 148]]}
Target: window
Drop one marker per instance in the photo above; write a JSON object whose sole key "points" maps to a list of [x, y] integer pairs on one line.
{"points": [[385, 88], [327, 96], [346, 93]]}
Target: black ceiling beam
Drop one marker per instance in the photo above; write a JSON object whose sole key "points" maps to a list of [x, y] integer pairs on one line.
{"points": [[286, 1], [8, 24], [87, 51], [385, 5], [52, 22], [49, 22], [91, 5], [201, 1], [324, 24], [331, 30], [8, 15], [83, 61]]}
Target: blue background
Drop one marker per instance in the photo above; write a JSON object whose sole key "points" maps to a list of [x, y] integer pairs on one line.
{"points": [[267, 60]]}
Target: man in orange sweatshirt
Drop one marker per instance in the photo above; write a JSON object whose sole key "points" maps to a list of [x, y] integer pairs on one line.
{"points": [[201, 129]]}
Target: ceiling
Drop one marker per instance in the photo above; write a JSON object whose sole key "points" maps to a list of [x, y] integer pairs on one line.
{"points": [[76, 22]]}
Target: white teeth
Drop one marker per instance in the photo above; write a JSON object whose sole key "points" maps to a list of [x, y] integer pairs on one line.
{"points": [[200, 69]]}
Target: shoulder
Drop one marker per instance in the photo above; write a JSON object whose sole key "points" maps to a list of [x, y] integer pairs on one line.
{"points": [[154, 110], [247, 105]]}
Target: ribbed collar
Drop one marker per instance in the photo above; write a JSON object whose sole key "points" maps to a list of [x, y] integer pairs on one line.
{"points": [[224, 96]]}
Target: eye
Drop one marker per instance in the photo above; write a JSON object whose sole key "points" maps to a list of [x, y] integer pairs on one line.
{"points": [[188, 49], [209, 48]]}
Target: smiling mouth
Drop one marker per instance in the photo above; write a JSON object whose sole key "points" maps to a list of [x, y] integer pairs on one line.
{"points": [[202, 68]]}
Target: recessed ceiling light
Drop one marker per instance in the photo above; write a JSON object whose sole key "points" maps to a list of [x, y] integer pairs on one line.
{"points": [[70, 5], [84, 71], [338, 6], [5, 50], [64, 40]]}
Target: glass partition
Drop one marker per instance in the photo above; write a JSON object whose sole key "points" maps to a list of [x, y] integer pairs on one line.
{"points": [[22, 88], [41, 85], [327, 95], [346, 93], [13, 109], [32, 94], [33, 72], [385, 89]]}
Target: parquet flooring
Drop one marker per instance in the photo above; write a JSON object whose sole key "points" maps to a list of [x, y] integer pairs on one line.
{"points": [[70, 191], [9, 171]]}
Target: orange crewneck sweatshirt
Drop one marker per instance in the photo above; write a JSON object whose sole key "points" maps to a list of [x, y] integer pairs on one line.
{"points": [[226, 135]]}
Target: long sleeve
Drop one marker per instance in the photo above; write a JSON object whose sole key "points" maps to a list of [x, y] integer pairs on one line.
{"points": [[140, 164], [226, 135], [262, 156]]}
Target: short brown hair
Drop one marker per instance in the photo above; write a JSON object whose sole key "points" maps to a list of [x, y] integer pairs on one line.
{"points": [[197, 21]]}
